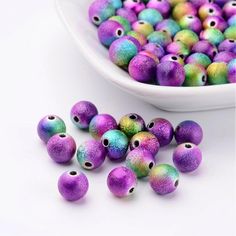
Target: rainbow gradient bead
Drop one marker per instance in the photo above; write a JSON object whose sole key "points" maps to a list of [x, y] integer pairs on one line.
{"points": [[49, 126], [162, 6], [229, 9], [209, 9], [198, 58], [195, 75], [215, 22], [168, 25], [143, 27], [128, 14], [230, 32], [159, 37], [178, 48], [232, 71], [205, 47], [131, 124], [150, 15], [123, 21], [116, 3], [140, 161], [137, 5], [182, 9], [173, 58], [232, 20], [224, 57], [191, 22], [212, 35], [188, 37], [217, 73], [164, 179], [175, 2], [156, 49], [228, 45], [198, 3], [141, 38]]}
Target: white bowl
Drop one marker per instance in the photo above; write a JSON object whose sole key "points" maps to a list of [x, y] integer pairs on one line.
{"points": [[74, 15]]}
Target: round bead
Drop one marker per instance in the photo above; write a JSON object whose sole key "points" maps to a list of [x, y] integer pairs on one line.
{"points": [[49, 126], [217, 73], [224, 57], [73, 185], [199, 58], [100, 10], [122, 51], [232, 20], [141, 38], [232, 71], [182, 9], [156, 49], [198, 3], [131, 124], [220, 2], [123, 21], [100, 124], [195, 75], [175, 2], [128, 14], [143, 27], [187, 157], [188, 131], [134, 40], [214, 36], [61, 148], [116, 3], [209, 9], [164, 179], [145, 140], [142, 68], [188, 37], [150, 55], [170, 74], [150, 15], [228, 45], [230, 32], [140, 161], [205, 47], [191, 22], [168, 25], [178, 48], [116, 143], [91, 154], [229, 9], [160, 37], [162, 129], [121, 181], [137, 6], [82, 113], [173, 58], [216, 22], [162, 6]]}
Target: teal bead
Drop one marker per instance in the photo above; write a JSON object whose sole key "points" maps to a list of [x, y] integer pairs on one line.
{"points": [[150, 15], [159, 37], [200, 59], [230, 32], [212, 35]]}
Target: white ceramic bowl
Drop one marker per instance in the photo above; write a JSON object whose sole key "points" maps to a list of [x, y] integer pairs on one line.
{"points": [[74, 14]]}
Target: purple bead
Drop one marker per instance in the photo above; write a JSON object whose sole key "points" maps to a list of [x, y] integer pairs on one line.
{"points": [[209, 9], [224, 57], [134, 41], [191, 22], [229, 9], [220, 2], [228, 45], [162, 129], [187, 157], [136, 6], [142, 68], [100, 124], [128, 14], [188, 131], [121, 181], [170, 74], [73, 185], [232, 71], [61, 148], [216, 22], [205, 47], [82, 113], [91, 154], [198, 3], [155, 49], [162, 6], [178, 48], [172, 57]]}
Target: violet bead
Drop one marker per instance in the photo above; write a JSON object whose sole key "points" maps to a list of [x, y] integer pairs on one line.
{"points": [[209, 9], [187, 157], [224, 57], [162, 129], [61, 148], [228, 45], [216, 22], [203, 46], [82, 113], [162, 6], [188, 131], [229, 9], [73, 185], [173, 58], [198, 3], [128, 14], [91, 154], [170, 74], [121, 181], [178, 48], [137, 6], [191, 22], [155, 49]]}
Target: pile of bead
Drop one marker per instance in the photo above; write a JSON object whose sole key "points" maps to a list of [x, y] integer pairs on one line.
{"points": [[129, 140], [169, 43]]}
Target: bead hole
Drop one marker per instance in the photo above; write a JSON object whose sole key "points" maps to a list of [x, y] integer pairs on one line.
{"points": [[119, 32], [141, 22], [211, 10], [151, 165], [214, 53], [133, 117], [88, 164], [212, 23], [231, 40], [182, 56], [234, 4], [96, 19], [131, 190], [136, 143], [105, 142], [76, 119], [174, 58], [203, 78], [190, 17], [150, 125], [188, 145], [62, 135], [73, 173], [176, 183], [51, 117]]}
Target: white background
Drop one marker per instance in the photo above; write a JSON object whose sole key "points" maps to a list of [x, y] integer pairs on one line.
{"points": [[41, 72]]}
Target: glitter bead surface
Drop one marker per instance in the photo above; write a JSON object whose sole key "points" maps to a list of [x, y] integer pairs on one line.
{"points": [[217, 73]]}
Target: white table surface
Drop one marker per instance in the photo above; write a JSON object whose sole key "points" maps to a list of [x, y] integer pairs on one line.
{"points": [[42, 72]]}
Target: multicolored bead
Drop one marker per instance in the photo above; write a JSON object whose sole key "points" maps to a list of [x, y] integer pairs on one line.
{"points": [[173, 58], [137, 5], [209, 9], [191, 22], [188, 37], [199, 58], [229, 9], [228, 45], [168, 25], [216, 22], [116, 3], [150, 15], [140, 37], [143, 27], [162, 6], [232, 20], [217, 73], [123, 21], [205, 47], [182, 9], [232, 71], [212, 35], [156, 49], [178, 48], [230, 32], [160, 37], [224, 57], [128, 14]]}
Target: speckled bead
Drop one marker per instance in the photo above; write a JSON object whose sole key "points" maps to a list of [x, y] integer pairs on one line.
{"points": [[224, 57], [61, 147], [205, 47], [188, 131], [164, 179], [173, 58], [145, 140], [195, 75], [128, 14], [198, 3], [82, 113], [162, 6], [121, 181], [216, 22], [140, 161], [143, 27], [155, 49], [160, 37], [134, 41], [228, 45], [116, 3], [217, 73], [49, 126], [162, 129], [123, 21], [91, 154], [191, 22], [116, 144], [182, 9], [150, 55], [214, 36], [100, 10], [232, 20], [73, 185], [229, 9], [232, 71], [209, 9], [175, 2], [142, 68], [168, 25], [150, 15], [100, 124], [198, 58], [188, 37], [178, 48], [230, 32], [187, 157], [140, 37], [137, 6], [170, 74]]}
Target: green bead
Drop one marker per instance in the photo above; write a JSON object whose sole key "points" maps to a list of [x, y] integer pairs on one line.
{"points": [[230, 32], [195, 75], [217, 73], [213, 35], [150, 15], [124, 22], [187, 37], [199, 58]]}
